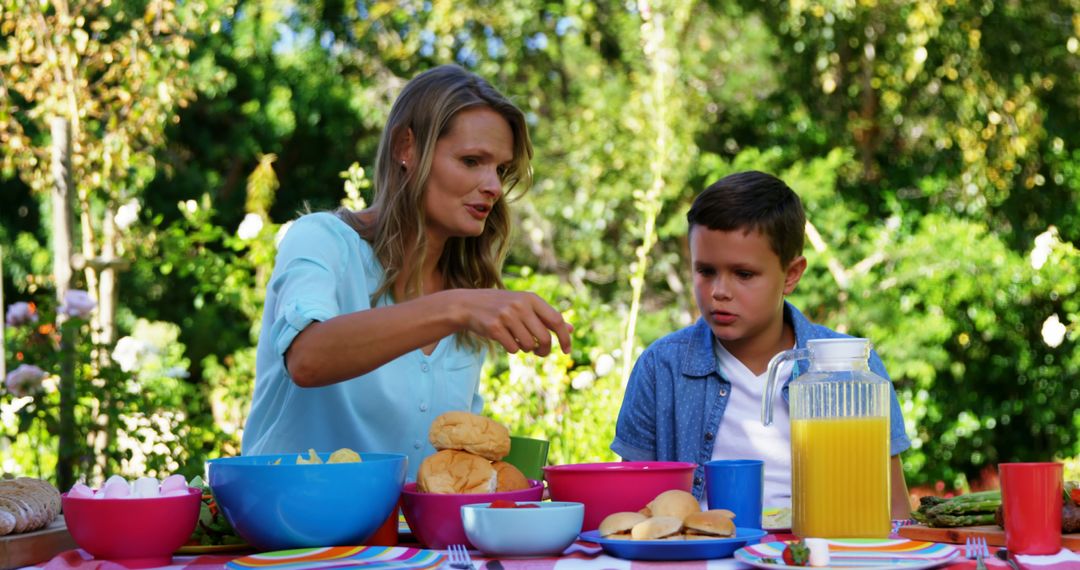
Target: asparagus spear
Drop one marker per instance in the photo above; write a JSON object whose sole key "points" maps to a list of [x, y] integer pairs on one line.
{"points": [[977, 497], [955, 508], [962, 520]]}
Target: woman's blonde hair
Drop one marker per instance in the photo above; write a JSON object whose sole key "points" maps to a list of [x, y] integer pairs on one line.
{"points": [[427, 106]]}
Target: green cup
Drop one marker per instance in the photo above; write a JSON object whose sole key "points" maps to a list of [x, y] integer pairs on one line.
{"points": [[528, 455]]}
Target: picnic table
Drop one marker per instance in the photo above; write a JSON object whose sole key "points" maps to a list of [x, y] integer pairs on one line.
{"points": [[579, 556]]}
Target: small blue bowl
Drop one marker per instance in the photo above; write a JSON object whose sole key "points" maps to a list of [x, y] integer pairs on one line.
{"points": [[523, 532], [283, 506]]}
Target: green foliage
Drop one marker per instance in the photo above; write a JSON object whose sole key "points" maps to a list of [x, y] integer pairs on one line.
{"points": [[135, 414], [559, 398]]}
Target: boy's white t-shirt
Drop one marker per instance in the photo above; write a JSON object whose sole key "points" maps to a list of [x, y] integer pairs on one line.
{"points": [[742, 435]]}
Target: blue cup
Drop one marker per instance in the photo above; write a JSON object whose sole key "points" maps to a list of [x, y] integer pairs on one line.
{"points": [[736, 485]]}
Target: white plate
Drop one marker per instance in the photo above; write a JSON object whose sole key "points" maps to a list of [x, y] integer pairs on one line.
{"points": [[853, 554]]}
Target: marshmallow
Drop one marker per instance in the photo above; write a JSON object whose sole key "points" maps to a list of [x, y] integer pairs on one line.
{"points": [[81, 491], [819, 551], [174, 485], [116, 487], [145, 487]]}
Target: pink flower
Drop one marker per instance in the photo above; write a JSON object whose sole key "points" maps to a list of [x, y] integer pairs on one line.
{"points": [[20, 313], [78, 304], [24, 380]]}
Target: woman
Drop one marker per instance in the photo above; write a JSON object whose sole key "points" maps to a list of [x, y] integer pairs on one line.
{"points": [[377, 321]]}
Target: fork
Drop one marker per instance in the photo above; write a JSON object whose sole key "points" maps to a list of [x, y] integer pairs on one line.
{"points": [[458, 557], [976, 547]]}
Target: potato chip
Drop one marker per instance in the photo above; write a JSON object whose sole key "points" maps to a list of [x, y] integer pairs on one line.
{"points": [[312, 458], [344, 455]]}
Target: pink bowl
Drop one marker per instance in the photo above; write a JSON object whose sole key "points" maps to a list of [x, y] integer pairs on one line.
{"points": [[607, 488], [138, 533], [436, 519]]}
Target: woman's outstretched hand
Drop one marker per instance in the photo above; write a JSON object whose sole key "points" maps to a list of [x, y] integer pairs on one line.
{"points": [[516, 320]]}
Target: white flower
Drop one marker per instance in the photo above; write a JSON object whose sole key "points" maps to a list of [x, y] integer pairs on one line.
{"points": [[1053, 331], [583, 380], [175, 372], [1044, 246], [129, 352], [604, 365], [250, 227], [77, 304], [24, 380], [20, 313], [127, 214], [280, 235]]}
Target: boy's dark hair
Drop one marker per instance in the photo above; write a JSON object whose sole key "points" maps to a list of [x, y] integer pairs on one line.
{"points": [[753, 200]]}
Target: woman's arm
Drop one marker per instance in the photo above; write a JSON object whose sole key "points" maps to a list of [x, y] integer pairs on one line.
{"points": [[350, 345]]}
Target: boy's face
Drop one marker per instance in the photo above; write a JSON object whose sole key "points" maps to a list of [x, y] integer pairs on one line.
{"points": [[739, 284]]}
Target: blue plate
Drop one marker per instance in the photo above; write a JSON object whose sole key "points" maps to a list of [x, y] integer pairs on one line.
{"points": [[675, 549]]}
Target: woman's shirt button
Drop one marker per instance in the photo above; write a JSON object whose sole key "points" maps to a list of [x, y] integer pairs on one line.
{"points": [[424, 367]]}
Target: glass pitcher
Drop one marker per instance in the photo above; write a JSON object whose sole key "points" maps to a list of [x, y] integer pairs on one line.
{"points": [[839, 440]]}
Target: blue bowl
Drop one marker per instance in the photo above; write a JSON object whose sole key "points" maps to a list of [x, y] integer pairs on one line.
{"points": [[283, 506], [522, 532]]}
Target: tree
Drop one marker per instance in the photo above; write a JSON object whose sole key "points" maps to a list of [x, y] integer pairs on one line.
{"points": [[88, 87]]}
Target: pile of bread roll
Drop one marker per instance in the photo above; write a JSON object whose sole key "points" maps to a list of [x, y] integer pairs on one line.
{"points": [[672, 515], [469, 459], [27, 504]]}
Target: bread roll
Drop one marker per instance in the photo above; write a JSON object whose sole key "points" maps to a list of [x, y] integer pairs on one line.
{"points": [[27, 504], [509, 478], [450, 471], [469, 432], [674, 503], [656, 528], [620, 523], [7, 522], [715, 523]]}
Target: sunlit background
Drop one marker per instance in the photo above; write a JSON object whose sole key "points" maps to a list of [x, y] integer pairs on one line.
{"points": [[933, 143]]}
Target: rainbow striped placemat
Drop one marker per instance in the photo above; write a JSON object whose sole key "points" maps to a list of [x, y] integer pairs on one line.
{"points": [[370, 557]]}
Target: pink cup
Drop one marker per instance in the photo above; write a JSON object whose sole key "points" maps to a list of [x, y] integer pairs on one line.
{"points": [[1031, 494]]}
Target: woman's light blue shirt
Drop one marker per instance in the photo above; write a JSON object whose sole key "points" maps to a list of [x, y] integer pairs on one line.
{"points": [[324, 269]]}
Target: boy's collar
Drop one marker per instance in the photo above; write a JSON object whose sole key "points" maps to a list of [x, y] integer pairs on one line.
{"points": [[701, 359]]}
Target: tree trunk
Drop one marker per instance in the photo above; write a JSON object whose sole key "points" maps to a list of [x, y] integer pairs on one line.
{"points": [[107, 293], [62, 272]]}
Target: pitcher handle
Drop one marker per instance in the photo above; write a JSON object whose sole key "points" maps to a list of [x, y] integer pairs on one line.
{"points": [[774, 366]]}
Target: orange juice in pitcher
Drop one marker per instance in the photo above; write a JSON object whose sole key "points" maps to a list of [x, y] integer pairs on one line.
{"points": [[843, 465], [839, 441]]}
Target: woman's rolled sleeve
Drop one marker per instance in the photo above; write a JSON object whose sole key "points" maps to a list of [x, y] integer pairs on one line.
{"points": [[293, 318], [307, 277]]}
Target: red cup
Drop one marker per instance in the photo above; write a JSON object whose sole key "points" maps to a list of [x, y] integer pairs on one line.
{"points": [[1031, 494], [387, 535]]}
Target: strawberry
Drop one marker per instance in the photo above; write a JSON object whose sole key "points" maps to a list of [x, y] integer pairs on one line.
{"points": [[503, 504], [796, 554]]}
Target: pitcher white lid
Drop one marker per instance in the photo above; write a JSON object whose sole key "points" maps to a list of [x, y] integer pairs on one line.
{"points": [[836, 348]]}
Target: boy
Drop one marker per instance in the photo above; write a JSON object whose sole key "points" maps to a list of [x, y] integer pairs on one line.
{"points": [[695, 395]]}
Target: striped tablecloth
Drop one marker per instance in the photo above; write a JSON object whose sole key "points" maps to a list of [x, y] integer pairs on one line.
{"points": [[581, 555]]}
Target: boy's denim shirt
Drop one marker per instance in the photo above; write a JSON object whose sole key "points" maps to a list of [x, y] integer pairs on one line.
{"points": [[676, 397]]}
